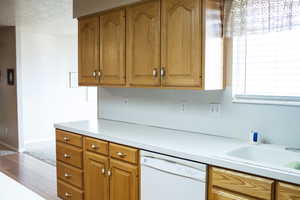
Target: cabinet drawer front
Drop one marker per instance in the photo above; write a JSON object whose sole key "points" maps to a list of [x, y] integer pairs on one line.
{"points": [[219, 194], [69, 154], [68, 138], [242, 183], [123, 153], [70, 174], [96, 146], [288, 192], [68, 192]]}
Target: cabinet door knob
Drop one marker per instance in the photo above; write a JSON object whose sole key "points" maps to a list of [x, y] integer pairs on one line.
{"points": [[93, 146], [162, 72], [66, 139], [67, 175], [120, 154], [67, 156], [108, 173], [154, 72], [99, 73], [68, 194], [103, 171]]}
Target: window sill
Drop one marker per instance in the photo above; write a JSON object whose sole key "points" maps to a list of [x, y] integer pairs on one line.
{"points": [[284, 101]]}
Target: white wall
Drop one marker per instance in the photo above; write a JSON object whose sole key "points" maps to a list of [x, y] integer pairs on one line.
{"points": [[8, 93], [45, 61], [278, 124]]}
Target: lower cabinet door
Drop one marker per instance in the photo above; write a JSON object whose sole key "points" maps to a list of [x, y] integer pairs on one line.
{"points": [[95, 178], [124, 181]]}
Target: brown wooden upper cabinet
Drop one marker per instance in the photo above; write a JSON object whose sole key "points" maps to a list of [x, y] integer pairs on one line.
{"points": [[112, 48], [102, 49], [143, 44], [169, 44], [88, 47], [181, 43]]}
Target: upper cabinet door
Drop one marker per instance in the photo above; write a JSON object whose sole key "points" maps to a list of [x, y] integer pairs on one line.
{"points": [[181, 43], [88, 45], [143, 44], [112, 48], [124, 181]]}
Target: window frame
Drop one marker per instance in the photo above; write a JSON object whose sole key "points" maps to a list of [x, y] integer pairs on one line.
{"points": [[266, 100]]}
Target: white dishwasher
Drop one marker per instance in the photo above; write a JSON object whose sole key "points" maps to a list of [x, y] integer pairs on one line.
{"points": [[164, 177]]}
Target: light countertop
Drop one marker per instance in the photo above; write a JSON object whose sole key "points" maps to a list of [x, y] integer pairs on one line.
{"points": [[197, 147]]}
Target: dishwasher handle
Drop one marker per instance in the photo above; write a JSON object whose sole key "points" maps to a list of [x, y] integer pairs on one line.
{"points": [[174, 168]]}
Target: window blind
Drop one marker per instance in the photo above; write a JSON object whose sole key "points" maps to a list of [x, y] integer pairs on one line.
{"points": [[267, 64]]}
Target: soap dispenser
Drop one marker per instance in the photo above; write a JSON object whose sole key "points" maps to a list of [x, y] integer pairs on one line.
{"points": [[255, 137]]}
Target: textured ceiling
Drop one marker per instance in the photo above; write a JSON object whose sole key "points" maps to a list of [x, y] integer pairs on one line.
{"points": [[52, 16]]}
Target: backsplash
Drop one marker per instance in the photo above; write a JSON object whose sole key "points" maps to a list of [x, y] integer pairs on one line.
{"points": [[190, 110]]}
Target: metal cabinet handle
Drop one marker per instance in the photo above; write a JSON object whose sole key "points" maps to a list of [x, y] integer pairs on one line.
{"points": [[67, 156], [162, 72], [99, 73], [103, 171], [120, 154], [68, 194], [93, 146], [154, 72], [94, 74], [67, 175], [66, 139], [108, 173]]}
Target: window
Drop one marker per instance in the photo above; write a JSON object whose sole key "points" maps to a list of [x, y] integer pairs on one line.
{"points": [[266, 46]]}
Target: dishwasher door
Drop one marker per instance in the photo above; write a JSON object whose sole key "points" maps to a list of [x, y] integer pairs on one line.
{"points": [[168, 178]]}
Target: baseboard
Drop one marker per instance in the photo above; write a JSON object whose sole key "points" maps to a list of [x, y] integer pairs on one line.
{"points": [[37, 141], [9, 146]]}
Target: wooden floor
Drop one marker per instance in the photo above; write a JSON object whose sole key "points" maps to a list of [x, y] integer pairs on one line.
{"points": [[34, 174]]}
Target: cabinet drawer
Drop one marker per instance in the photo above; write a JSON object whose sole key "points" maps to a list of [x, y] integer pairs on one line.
{"points": [[123, 153], [287, 191], [242, 183], [219, 194], [66, 191], [69, 138], [69, 154], [70, 174], [96, 146]]}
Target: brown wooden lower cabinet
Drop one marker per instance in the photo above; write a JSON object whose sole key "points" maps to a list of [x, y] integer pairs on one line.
{"points": [[124, 181], [224, 184], [107, 178], [239, 183], [221, 194], [68, 192], [286, 191], [96, 179]]}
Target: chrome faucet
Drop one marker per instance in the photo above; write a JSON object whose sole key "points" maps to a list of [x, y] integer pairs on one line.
{"points": [[293, 149]]}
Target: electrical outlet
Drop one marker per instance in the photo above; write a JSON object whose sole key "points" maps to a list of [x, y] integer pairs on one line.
{"points": [[183, 105], [215, 109], [126, 101]]}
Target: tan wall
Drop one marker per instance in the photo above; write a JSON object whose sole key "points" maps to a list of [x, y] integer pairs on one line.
{"points": [[8, 94], [85, 7]]}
